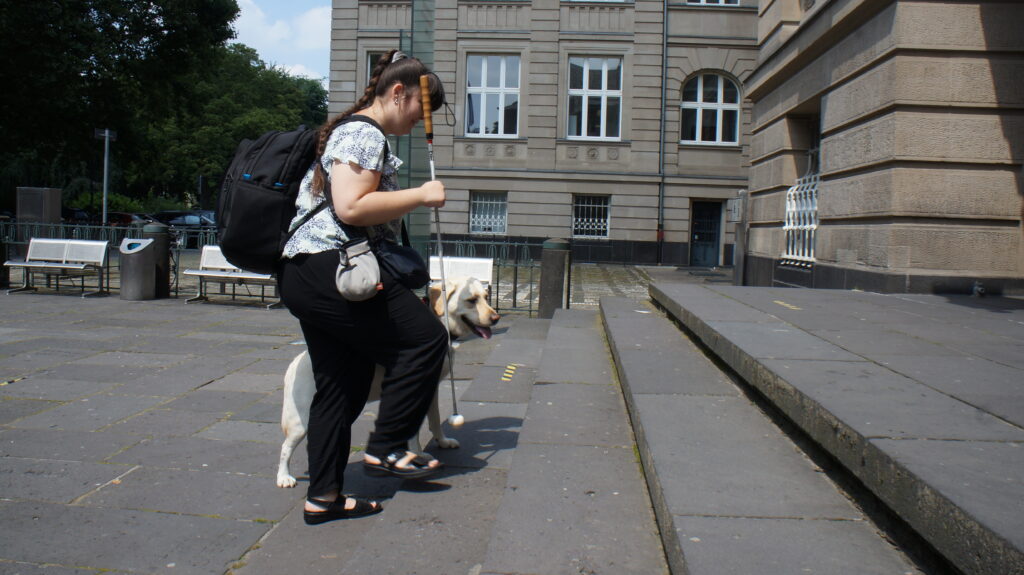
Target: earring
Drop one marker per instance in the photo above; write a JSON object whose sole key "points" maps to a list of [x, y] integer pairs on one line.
{"points": [[396, 100]]}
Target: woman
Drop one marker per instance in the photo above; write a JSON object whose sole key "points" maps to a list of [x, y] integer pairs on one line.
{"points": [[393, 328]]}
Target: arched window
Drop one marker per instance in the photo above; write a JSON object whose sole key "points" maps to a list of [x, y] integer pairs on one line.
{"points": [[710, 111]]}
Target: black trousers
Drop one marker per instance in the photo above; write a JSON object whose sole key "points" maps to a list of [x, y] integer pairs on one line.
{"points": [[345, 341]]}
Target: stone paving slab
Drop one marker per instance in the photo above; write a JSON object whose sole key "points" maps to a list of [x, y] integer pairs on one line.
{"points": [[63, 445], [440, 526], [503, 384], [129, 540], [718, 456], [201, 493], [197, 453], [774, 546], [558, 521], [89, 413], [851, 391], [598, 415], [912, 377], [54, 481]]}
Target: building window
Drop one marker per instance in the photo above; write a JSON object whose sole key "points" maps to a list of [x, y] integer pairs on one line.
{"points": [[590, 216], [595, 98], [492, 95], [488, 212], [715, 2], [371, 62], [801, 220], [710, 111]]}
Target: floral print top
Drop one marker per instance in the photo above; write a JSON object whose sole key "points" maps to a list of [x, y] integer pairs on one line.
{"points": [[356, 143]]}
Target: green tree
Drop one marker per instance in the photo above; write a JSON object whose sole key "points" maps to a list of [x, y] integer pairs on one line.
{"points": [[71, 66], [235, 96]]}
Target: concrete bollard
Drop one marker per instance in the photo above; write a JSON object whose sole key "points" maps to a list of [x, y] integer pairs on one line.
{"points": [[162, 248], [554, 267]]}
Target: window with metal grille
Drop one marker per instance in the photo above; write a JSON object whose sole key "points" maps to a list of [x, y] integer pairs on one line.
{"points": [[595, 98], [590, 216], [801, 223], [710, 111], [488, 212], [492, 95]]}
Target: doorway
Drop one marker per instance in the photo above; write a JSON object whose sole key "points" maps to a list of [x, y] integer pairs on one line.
{"points": [[705, 230]]}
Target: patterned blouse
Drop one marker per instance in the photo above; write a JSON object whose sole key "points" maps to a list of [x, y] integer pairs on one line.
{"points": [[355, 143]]}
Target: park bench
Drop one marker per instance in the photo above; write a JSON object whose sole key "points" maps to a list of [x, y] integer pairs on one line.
{"points": [[479, 268], [215, 268], [57, 258]]}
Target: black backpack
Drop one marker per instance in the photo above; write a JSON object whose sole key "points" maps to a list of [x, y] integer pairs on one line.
{"points": [[257, 197]]}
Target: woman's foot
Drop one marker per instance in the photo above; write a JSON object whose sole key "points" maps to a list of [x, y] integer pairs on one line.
{"points": [[318, 511], [408, 465]]}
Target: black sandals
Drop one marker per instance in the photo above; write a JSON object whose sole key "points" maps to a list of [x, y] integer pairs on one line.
{"points": [[336, 510], [416, 468]]}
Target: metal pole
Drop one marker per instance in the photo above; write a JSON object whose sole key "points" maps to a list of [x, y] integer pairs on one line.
{"points": [[106, 172]]}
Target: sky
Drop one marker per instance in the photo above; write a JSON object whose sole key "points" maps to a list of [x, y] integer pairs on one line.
{"points": [[294, 35]]}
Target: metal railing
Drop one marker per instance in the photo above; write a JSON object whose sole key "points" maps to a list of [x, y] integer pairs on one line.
{"points": [[514, 285], [516, 275]]}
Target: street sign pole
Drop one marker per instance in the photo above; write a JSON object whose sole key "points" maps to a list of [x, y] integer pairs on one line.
{"points": [[107, 136]]}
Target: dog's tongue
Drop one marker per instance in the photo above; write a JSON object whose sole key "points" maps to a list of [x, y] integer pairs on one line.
{"points": [[484, 332]]}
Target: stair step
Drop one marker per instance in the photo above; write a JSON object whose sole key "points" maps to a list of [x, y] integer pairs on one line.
{"points": [[731, 491]]}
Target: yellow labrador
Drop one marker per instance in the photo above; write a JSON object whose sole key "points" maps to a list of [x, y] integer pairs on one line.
{"points": [[468, 312]]}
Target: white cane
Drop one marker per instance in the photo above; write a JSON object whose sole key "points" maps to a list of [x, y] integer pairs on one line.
{"points": [[455, 419]]}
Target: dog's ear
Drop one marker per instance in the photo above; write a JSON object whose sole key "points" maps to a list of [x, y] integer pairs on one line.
{"points": [[436, 303]]}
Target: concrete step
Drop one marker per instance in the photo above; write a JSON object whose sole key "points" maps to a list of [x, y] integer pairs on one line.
{"points": [[732, 493], [918, 396], [575, 500]]}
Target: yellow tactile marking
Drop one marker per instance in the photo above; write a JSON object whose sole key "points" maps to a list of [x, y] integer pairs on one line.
{"points": [[787, 305]]}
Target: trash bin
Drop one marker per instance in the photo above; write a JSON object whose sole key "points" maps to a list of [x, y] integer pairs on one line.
{"points": [[138, 269]]}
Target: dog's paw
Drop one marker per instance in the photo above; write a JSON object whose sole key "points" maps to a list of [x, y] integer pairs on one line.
{"points": [[286, 481], [447, 443]]}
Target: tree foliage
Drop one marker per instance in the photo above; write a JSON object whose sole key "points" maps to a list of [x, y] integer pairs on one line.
{"points": [[158, 72]]}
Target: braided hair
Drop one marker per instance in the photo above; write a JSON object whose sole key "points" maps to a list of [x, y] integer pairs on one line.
{"points": [[392, 67]]}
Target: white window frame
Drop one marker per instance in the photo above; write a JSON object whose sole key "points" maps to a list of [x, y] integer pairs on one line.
{"points": [[488, 213], [595, 222], [715, 2], [719, 107], [502, 92], [586, 92]]}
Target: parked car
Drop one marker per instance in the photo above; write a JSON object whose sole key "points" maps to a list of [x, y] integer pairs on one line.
{"points": [[126, 219], [74, 216], [188, 226]]}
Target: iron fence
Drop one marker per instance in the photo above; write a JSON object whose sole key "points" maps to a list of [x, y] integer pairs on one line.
{"points": [[514, 284]]}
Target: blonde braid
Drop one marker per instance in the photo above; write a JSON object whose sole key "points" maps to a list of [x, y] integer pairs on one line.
{"points": [[364, 101]]}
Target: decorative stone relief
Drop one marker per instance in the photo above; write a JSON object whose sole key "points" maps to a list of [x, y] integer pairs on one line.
{"points": [[613, 153], [489, 150], [592, 153], [572, 153], [470, 150], [510, 151]]}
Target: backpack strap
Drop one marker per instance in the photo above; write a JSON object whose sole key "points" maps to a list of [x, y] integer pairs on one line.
{"points": [[327, 177]]}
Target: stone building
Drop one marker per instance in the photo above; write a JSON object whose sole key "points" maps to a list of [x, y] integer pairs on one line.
{"points": [[886, 145], [579, 119], [879, 141]]}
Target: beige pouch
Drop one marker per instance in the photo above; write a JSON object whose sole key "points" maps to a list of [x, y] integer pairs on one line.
{"points": [[358, 274]]}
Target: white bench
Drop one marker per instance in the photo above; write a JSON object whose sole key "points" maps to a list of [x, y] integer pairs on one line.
{"points": [[58, 259], [213, 267], [479, 268]]}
